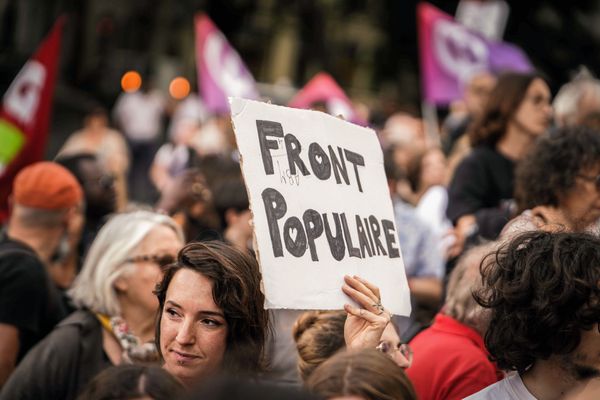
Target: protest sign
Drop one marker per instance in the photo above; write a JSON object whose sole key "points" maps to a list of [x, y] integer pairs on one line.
{"points": [[25, 113], [221, 71], [451, 54], [321, 207]]}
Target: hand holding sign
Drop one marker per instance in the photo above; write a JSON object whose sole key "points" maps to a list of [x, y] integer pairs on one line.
{"points": [[365, 324]]}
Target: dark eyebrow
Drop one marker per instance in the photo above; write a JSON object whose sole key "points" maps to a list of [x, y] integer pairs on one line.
{"points": [[201, 312]]}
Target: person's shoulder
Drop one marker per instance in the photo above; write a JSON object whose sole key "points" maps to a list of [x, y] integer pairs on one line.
{"points": [[481, 153], [19, 262], [496, 391], [68, 334]]}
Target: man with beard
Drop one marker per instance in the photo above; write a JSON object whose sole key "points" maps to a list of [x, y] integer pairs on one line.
{"points": [[543, 294], [45, 220]]}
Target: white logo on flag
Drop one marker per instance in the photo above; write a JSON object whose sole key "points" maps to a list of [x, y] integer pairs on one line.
{"points": [[459, 52], [23, 96], [226, 67]]}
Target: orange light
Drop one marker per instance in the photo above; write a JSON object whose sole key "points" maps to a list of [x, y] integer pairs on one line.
{"points": [[131, 81], [179, 88]]}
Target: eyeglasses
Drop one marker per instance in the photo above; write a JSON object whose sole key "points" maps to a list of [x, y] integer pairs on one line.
{"points": [[593, 179], [162, 260], [388, 349]]}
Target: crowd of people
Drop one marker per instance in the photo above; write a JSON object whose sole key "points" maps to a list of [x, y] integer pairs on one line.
{"points": [[127, 267]]}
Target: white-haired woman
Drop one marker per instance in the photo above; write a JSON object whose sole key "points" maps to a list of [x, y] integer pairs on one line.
{"points": [[114, 322]]}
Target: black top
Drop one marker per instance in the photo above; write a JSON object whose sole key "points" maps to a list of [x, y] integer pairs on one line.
{"points": [[62, 364], [483, 185], [28, 298]]}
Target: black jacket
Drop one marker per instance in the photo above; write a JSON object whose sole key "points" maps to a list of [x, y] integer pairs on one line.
{"points": [[62, 364]]}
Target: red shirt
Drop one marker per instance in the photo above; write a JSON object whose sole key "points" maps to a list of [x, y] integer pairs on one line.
{"points": [[450, 361]]}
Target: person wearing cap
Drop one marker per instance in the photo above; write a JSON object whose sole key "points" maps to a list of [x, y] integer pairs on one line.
{"points": [[45, 220]]}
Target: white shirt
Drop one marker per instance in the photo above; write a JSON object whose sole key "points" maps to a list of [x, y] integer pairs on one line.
{"points": [[139, 114], [509, 388]]}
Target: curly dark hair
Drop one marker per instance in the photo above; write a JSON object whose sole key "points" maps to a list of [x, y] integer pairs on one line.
{"points": [[503, 102], [236, 291], [548, 172], [542, 291]]}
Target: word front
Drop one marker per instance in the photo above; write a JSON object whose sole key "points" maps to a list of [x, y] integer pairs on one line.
{"points": [[375, 237], [321, 162]]}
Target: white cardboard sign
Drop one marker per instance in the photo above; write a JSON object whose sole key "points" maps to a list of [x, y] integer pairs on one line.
{"points": [[321, 207]]}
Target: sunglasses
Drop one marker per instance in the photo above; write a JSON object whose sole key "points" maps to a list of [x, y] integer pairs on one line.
{"points": [[162, 260]]}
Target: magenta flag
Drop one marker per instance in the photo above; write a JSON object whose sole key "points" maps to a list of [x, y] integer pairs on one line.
{"points": [[451, 53], [221, 71], [323, 88]]}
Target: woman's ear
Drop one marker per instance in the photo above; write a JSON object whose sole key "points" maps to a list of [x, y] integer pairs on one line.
{"points": [[121, 284]]}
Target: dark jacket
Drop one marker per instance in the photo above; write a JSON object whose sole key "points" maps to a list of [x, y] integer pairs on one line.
{"points": [[62, 364]]}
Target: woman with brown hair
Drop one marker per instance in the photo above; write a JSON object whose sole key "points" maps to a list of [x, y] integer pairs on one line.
{"points": [[211, 317], [362, 374], [481, 192]]}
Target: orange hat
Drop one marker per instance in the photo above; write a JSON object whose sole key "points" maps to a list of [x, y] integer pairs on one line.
{"points": [[46, 185]]}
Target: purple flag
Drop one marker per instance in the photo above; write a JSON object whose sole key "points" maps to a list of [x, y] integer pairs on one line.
{"points": [[451, 54], [221, 71]]}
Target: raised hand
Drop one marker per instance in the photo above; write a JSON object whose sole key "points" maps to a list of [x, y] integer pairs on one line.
{"points": [[364, 324]]}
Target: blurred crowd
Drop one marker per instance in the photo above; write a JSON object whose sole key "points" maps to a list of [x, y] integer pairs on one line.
{"points": [[127, 267]]}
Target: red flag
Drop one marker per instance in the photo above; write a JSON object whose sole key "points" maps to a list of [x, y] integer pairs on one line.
{"points": [[323, 88], [25, 113]]}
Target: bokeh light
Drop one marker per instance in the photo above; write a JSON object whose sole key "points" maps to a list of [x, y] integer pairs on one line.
{"points": [[179, 88], [131, 81]]}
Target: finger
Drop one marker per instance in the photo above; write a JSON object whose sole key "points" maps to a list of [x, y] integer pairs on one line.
{"points": [[369, 285], [360, 287], [363, 300], [365, 314]]}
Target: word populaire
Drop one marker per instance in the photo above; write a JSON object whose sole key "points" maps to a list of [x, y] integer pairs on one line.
{"points": [[322, 163], [299, 235]]}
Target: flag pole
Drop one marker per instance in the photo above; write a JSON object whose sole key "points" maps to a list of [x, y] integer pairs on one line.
{"points": [[430, 119]]}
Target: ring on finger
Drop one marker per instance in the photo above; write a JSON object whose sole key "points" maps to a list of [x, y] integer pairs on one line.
{"points": [[379, 308]]}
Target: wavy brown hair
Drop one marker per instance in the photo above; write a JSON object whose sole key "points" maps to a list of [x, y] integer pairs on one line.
{"points": [[503, 102], [236, 291], [542, 291], [368, 374]]}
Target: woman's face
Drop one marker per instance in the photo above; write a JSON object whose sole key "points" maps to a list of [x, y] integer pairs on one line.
{"points": [[581, 206], [136, 286], [433, 169], [535, 112], [193, 329]]}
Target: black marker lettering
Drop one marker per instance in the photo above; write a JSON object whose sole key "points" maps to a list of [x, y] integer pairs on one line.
{"points": [[275, 208], [389, 231], [352, 251], [362, 238], [296, 246], [268, 128], [339, 167], [356, 159], [319, 161], [314, 228], [376, 232], [292, 148], [336, 243]]}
